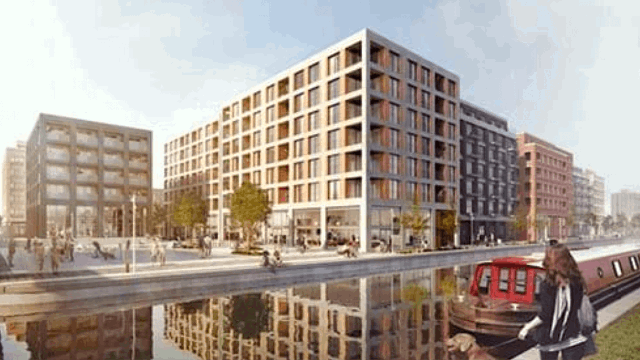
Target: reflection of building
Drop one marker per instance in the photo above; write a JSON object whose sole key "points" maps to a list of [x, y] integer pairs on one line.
{"points": [[342, 143], [103, 336], [547, 172], [489, 174], [81, 174], [352, 319], [13, 189]]}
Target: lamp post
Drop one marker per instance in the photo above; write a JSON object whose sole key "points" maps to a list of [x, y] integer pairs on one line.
{"points": [[471, 218], [133, 202]]}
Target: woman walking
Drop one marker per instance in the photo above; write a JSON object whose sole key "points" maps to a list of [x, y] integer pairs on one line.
{"points": [[557, 326]]}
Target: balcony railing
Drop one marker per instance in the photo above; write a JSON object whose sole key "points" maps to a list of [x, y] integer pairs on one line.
{"points": [[138, 146], [62, 157], [88, 197], [114, 180], [58, 136], [112, 143], [138, 164], [113, 161], [87, 159], [138, 181], [87, 177], [87, 140]]}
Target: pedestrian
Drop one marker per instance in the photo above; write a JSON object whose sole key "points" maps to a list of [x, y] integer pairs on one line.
{"points": [[557, 328], [28, 245], [69, 246], [38, 249], [54, 254], [12, 249]]}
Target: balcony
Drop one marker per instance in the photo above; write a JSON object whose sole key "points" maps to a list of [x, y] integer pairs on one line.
{"points": [[353, 108], [354, 81], [113, 161], [138, 146], [87, 196], [113, 142], [375, 54], [376, 79], [354, 54], [87, 139], [87, 159], [57, 156], [116, 180], [354, 161], [58, 135], [138, 181], [86, 176], [354, 135]]}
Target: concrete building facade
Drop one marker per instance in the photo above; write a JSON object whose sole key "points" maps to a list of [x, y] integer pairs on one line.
{"points": [[82, 174], [343, 143], [588, 189], [488, 174], [14, 197], [547, 187], [625, 202]]}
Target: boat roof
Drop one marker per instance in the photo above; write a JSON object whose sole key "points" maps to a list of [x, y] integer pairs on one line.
{"points": [[535, 259]]}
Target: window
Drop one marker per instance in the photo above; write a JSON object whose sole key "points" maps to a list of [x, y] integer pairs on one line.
{"points": [[270, 176], [393, 138], [394, 113], [297, 171], [411, 190], [412, 119], [270, 114], [257, 119], [314, 120], [334, 64], [298, 80], [334, 164], [413, 96], [314, 168], [297, 103], [485, 281], [413, 71], [412, 167], [395, 84], [426, 74], [256, 139], [314, 192], [314, 96], [297, 148], [314, 72], [424, 101], [394, 185], [425, 169], [426, 123], [270, 91], [333, 139], [504, 280], [298, 125], [393, 164], [426, 143], [271, 134], [412, 143], [633, 261], [334, 89], [617, 268], [521, 281], [395, 62], [334, 114], [314, 144], [334, 189], [271, 155]]}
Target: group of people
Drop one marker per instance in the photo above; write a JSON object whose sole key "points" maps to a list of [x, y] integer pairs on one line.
{"points": [[61, 249], [272, 261], [205, 244]]}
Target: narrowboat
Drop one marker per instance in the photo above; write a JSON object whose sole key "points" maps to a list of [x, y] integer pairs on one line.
{"points": [[503, 294]]}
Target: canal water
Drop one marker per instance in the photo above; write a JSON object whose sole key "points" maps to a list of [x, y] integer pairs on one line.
{"points": [[391, 316]]}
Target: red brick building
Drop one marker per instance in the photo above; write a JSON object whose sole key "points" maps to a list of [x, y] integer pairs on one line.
{"points": [[546, 187]]}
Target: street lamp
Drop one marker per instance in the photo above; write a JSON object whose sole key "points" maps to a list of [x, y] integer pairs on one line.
{"points": [[471, 218], [133, 202]]}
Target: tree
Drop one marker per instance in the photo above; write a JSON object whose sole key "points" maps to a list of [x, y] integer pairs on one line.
{"points": [[249, 208], [635, 221], [190, 211], [621, 221], [415, 220], [157, 218], [447, 223], [519, 221], [249, 315], [592, 220]]}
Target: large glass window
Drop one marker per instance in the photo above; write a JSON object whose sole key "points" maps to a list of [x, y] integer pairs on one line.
{"points": [[307, 226], [334, 189], [334, 114], [87, 221], [57, 218], [343, 225], [334, 164], [333, 139]]}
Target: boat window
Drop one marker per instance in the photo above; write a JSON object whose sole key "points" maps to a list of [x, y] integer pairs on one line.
{"points": [[600, 272], [617, 268], [504, 279], [485, 280], [521, 281], [633, 261]]}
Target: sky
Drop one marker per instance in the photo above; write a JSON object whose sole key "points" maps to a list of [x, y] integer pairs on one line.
{"points": [[567, 71]]}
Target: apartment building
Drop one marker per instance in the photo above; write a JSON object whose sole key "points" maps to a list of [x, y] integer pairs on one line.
{"points": [[625, 202], [100, 336], [14, 198], [82, 175], [588, 188], [368, 318], [343, 143], [546, 172], [488, 175]]}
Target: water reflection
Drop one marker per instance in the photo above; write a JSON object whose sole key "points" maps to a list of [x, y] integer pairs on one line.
{"points": [[394, 316]]}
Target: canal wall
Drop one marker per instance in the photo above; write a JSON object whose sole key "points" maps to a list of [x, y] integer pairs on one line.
{"points": [[21, 298]]}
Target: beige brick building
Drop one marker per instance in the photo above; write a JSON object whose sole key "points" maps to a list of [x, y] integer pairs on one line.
{"points": [[14, 198], [342, 143]]}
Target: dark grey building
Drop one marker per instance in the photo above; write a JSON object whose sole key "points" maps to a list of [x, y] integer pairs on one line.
{"points": [[488, 174], [82, 174]]}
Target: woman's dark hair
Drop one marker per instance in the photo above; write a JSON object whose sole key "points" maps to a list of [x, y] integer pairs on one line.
{"points": [[558, 261]]}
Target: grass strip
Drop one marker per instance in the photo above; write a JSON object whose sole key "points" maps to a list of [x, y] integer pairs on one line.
{"points": [[621, 338]]}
